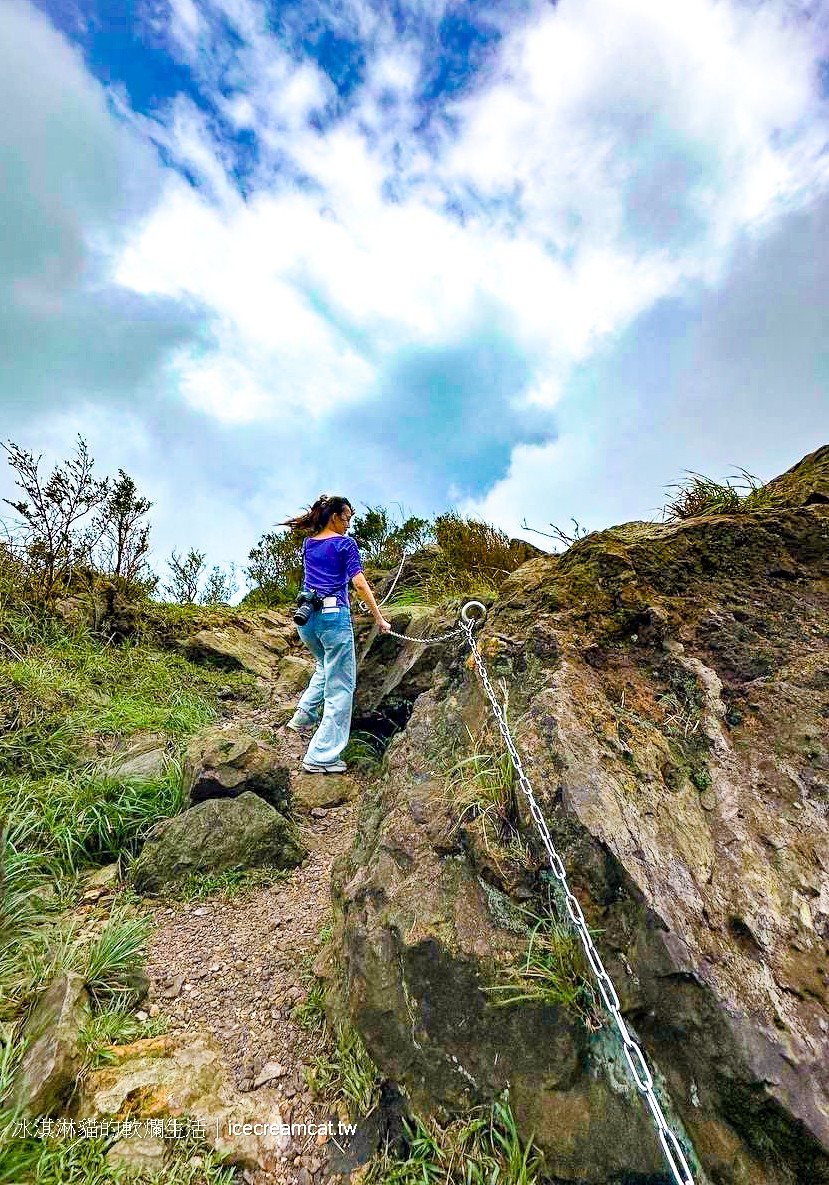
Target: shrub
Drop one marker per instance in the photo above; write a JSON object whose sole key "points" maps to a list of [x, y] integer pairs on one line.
{"points": [[275, 569], [474, 557]]}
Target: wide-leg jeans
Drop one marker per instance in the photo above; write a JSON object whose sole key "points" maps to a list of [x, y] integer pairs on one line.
{"points": [[330, 638]]}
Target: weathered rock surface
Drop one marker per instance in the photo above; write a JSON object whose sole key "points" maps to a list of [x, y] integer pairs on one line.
{"points": [[177, 1076], [216, 835], [668, 688], [315, 790], [227, 762], [267, 645], [47, 1073], [143, 760]]}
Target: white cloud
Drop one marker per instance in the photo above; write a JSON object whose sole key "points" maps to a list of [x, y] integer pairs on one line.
{"points": [[612, 156], [577, 121]]}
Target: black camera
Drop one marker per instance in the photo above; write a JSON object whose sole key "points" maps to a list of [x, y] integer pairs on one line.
{"points": [[307, 602]]}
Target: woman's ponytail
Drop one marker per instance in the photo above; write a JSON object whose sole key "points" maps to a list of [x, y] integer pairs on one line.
{"points": [[316, 517]]}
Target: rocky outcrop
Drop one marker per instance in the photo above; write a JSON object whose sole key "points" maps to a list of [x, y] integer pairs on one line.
{"points": [[169, 1077], [226, 762], [668, 687], [266, 645], [216, 835], [54, 1053]]}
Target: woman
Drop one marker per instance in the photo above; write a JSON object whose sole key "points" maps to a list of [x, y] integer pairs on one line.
{"points": [[330, 561]]}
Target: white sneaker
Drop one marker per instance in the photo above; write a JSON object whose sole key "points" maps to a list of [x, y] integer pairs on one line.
{"points": [[299, 723], [331, 767]]}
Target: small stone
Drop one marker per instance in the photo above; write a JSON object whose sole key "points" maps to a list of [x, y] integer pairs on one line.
{"points": [[270, 1072], [154, 1010], [708, 800], [142, 1016], [200, 912]]}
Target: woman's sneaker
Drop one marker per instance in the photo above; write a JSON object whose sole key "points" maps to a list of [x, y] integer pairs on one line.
{"points": [[330, 767], [301, 723]]}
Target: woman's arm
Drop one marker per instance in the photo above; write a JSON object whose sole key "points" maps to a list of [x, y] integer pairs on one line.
{"points": [[361, 584]]}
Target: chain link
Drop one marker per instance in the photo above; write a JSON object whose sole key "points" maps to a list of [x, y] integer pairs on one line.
{"points": [[634, 1056]]}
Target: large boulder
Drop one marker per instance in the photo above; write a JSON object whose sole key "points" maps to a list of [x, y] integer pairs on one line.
{"points": [[668, 688], [54, 1052], [229, 646], [216, 835], [177, 1077], [227, 762]]}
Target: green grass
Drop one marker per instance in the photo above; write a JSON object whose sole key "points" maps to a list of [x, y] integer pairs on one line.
{"points": [[554, 970], [698, 495], [363, 753], [482, 792], [61, 691], [113, 960], [232, 884], [79, 818], [116, 1025], [343, 1069], [481, 1148], [81, 1160], [310, 1012]]}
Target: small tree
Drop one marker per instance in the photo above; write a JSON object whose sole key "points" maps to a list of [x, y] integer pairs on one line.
{"points": [[565, 537], [382, 540], [49, 531], [125, 541], [220, 586], [275, 568], [183, 586]]}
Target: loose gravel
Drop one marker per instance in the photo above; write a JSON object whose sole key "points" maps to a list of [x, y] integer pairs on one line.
{"points": [[237, 968]]}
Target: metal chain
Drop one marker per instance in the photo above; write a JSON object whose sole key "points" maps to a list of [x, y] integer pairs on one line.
{"points": [[408, 637], [632, 1050], [364, 607]]}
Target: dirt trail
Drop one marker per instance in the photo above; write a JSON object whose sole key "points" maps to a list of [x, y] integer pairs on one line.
{"points": [[237, 968]]}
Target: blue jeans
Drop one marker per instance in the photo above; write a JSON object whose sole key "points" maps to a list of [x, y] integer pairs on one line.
{"points": [[330, 638]]}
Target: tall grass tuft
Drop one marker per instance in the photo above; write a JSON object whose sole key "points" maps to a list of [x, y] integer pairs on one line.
{"points": [[112, 963], [554, 970], [698, 496], [481, 1148]]}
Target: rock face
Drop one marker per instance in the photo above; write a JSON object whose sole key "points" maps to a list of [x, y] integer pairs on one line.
{"points": [[227, 762], [668, 688], [47, 1074], [268, 646], [216, 835], [163, 1076]]}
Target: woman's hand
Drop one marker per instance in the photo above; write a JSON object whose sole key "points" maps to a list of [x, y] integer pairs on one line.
{"points": [[383, 625]]}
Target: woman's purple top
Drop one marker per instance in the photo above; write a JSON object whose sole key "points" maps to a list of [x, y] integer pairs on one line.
{"points": [[329, 565]]}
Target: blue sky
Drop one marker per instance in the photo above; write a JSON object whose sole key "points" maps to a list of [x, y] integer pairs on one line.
{"points": [[531, 260]]}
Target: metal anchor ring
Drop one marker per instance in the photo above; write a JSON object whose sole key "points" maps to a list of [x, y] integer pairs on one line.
{"points": [[473, 620]]}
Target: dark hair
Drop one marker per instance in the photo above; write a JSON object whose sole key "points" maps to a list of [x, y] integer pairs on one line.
{"points": [[316, 517]]}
